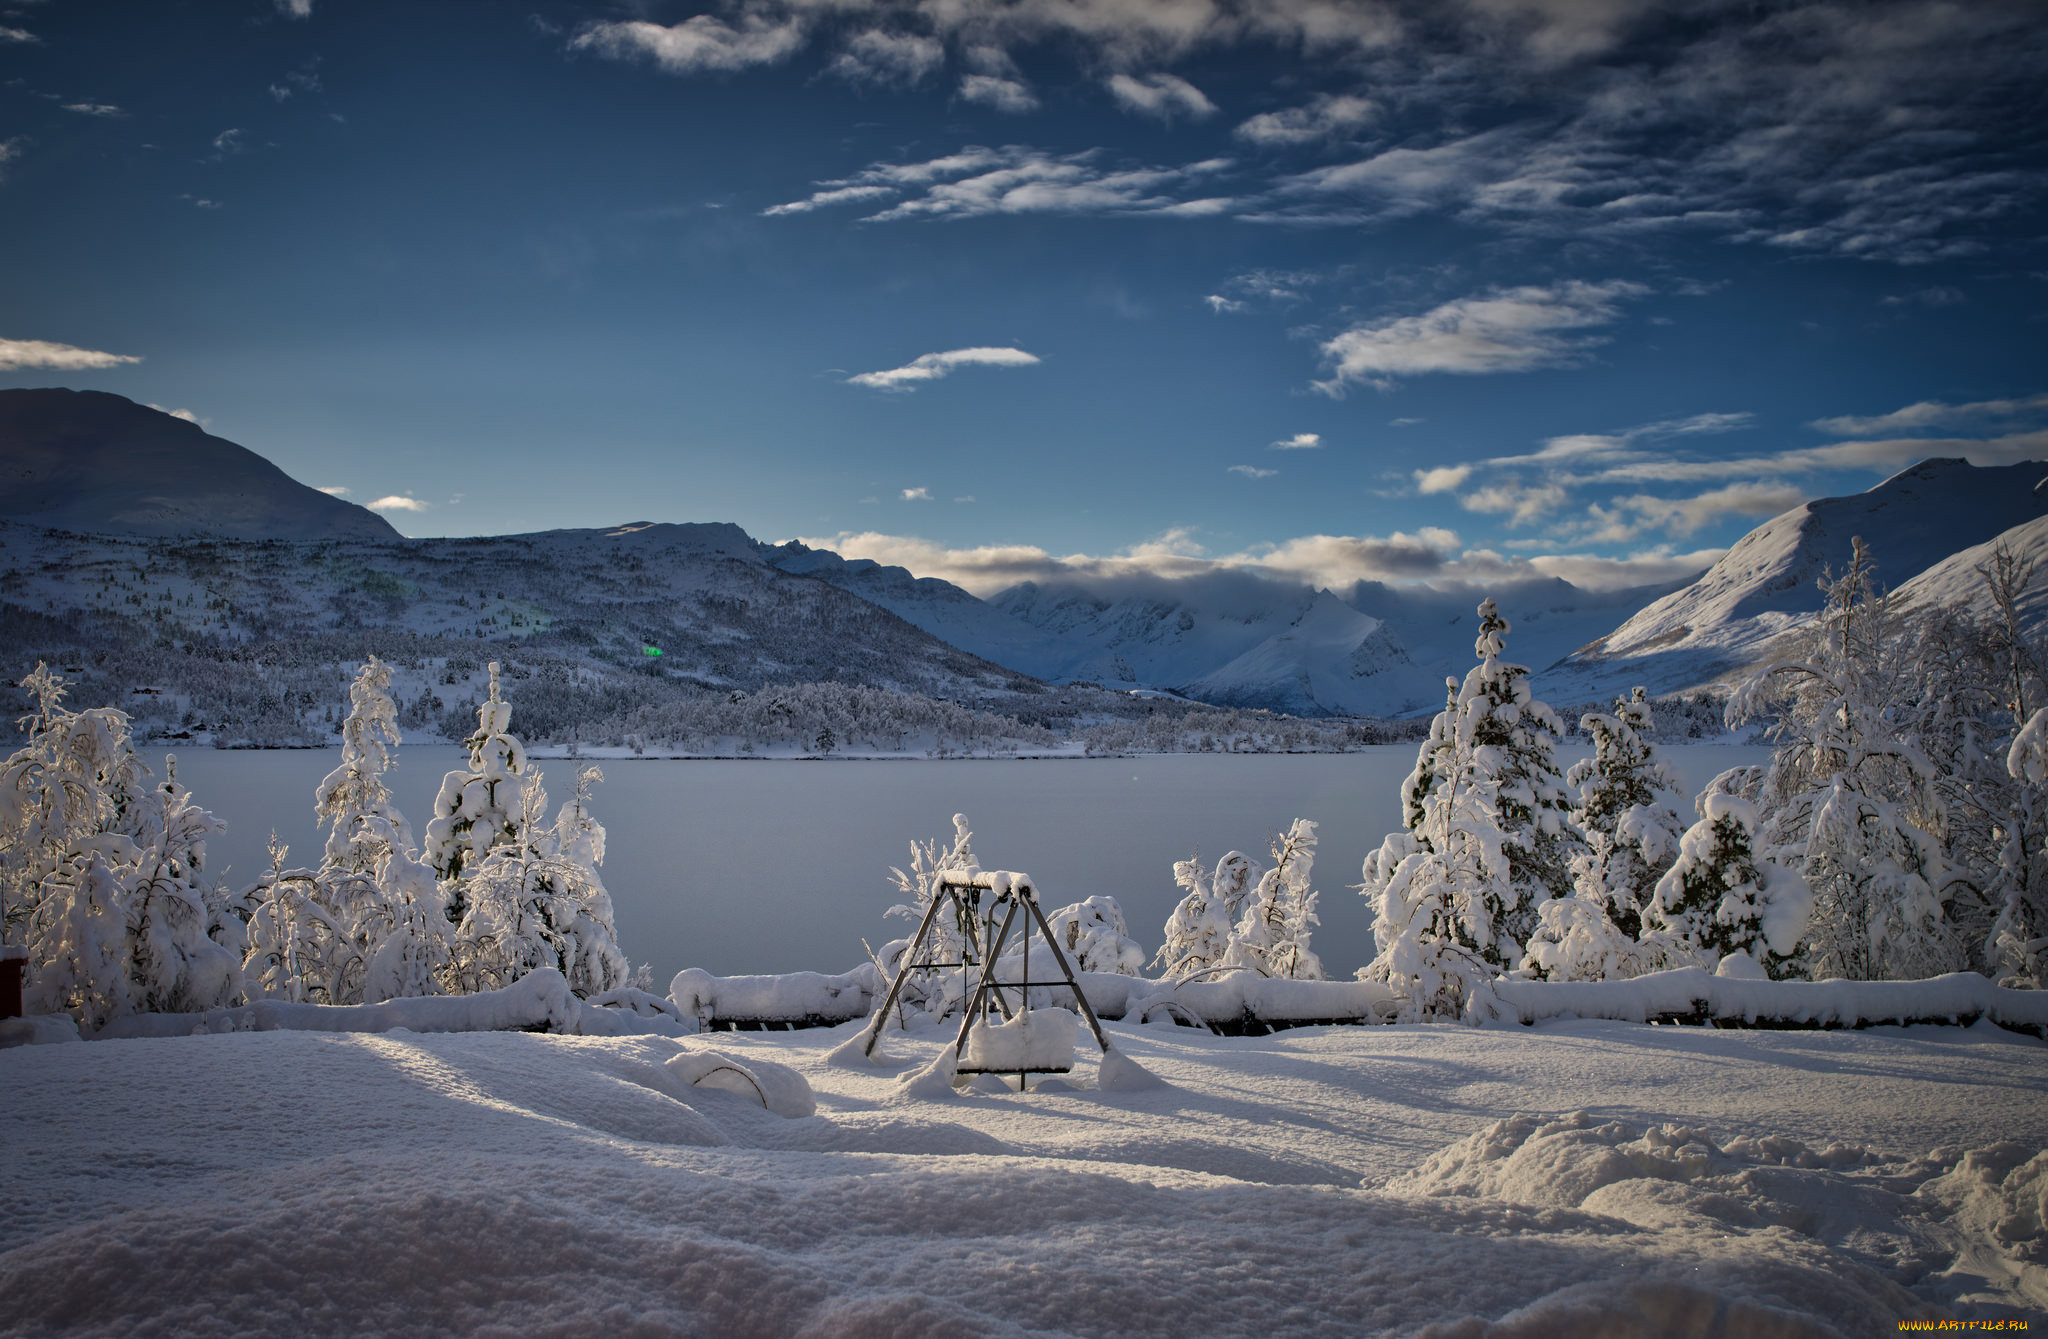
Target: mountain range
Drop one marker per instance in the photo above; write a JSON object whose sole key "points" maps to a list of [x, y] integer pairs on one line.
{"points": [[124, 512]]}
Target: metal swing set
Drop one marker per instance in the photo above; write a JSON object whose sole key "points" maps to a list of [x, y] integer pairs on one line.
{"points": [[974, 898]]}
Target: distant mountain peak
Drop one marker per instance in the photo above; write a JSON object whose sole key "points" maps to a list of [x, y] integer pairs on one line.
{"points": [[100, 463]]}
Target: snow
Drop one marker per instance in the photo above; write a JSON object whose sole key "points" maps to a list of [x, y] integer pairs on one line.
{"points": [[1571, 1178], [1036, 1039]]}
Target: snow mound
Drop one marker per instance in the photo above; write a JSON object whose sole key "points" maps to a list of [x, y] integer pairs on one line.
{"points": [[777, 1088], [1653, 1309], [1121, 1074]]}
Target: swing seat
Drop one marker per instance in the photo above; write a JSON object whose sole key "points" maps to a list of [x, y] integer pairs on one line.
{"points": [[1036, 1041]]}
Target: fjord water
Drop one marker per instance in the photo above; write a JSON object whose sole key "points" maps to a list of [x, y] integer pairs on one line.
{"points": [[780, 866]]}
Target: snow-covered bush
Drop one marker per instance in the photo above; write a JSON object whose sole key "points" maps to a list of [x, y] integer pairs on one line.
{"points": [[1094, 936], [1198, 933], [301, 944], [1721, 898]]}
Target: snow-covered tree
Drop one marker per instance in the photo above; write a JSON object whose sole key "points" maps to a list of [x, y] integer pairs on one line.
{"points": [[104, 874], [1487, 840], [407, 927], [2019, 935], [575, 848], [479, 810], [929, 860], [355, 791], [299, 945], [1272, 935], [1094, 936], [1720, 897], [537, 901], [1848, 799], [1198, 933], [1630, 837]]}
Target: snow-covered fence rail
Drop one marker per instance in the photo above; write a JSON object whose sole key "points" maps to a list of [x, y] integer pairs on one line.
{"points": [[1239, 1004], [1690, 995], [776, 1003], [538, 1002]]}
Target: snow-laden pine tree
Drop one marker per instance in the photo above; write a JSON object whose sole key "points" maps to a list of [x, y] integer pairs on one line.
{"points": [[1487, 840], [1631, 838], [410, 930], [480, 809], [1198, 933], [1720, 897], [1272, 935], [1848, 800], [1631, 834], [103, 875]]}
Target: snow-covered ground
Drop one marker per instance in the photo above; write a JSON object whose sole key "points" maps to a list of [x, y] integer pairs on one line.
{"points": [[1339, 1181]]}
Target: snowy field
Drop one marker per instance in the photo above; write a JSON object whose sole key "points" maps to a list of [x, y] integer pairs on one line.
{"points": [[1340, 1181], [787, 863]]}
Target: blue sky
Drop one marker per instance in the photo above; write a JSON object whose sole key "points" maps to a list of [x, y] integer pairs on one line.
{"points": [[1017, 288]]}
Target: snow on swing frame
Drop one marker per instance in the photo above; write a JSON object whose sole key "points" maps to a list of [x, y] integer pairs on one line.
{"points": [[1028, 1041]]}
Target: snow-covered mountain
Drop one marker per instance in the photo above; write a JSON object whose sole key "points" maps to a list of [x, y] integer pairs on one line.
{"points": [[1956, 582], [1768, 583], [91, 461]]}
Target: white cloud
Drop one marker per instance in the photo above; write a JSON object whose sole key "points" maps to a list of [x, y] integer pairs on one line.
{"points": [[1000, 92], [1325, 117], [978, 181], [1403, 422], [932, 366], [1931, 414], [20, 353], [1686, 516], [701, 42], [19, 36], [104, 109], [185, 414], [1442, 479], [334, 490], [1161, 96], [1521, 503], [1222, 305], [398, 502], [917, 495], [1656, 567], [1506, 330], [295, 9], [1252, 471], [1300, 441], [880, 57], [1327, 560], [228, 141]]}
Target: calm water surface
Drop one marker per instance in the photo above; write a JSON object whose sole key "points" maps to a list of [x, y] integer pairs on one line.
{"points": [[783, 866]]}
